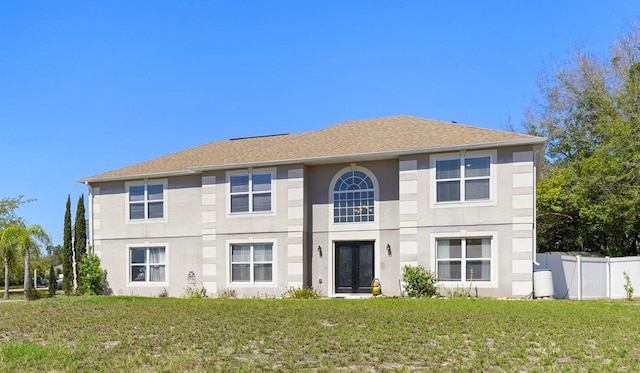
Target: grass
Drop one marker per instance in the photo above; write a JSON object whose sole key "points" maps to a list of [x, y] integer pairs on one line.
{"points": [[170, 335], [17, 294]]}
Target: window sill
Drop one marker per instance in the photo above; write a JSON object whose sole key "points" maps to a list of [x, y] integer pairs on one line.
{"points": [[252, 284], [146, 221], [354, 222], [467, 284], [359, 226], [454, 204], [250, 214], [135, 284]]}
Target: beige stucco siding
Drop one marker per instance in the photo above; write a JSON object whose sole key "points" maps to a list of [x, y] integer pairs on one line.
{"points": [[283, 226], [178, 222], [324, 232], [197, 232], [409, 222], [179, 232], [198, 228], [512, 201]]}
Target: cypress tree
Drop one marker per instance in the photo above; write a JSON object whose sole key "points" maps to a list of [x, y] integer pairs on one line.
{"points": [[52, 281], [67, 251], [80, 231]]}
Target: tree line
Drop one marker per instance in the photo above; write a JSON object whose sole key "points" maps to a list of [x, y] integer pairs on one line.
{"points": [[588, 196], [21, 244]]}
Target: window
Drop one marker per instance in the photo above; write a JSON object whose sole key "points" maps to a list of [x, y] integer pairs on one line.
{"points": [[252, 263], [147, 264], [463, 179], [251, 192], [353, 198], [146, 201], [464, 259]]}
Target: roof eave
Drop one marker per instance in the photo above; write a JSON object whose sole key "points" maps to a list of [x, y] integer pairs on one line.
{"points": [[156, 175], [326, 159]]}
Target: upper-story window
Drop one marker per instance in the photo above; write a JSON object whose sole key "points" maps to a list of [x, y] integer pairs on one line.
{"points": [[353, 198], [250, 192], [146, 200], [463, 179]]}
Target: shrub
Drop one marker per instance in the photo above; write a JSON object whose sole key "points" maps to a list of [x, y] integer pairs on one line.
{"points": [[31, 293], [460, 292], [164, 293], [194, 292], [419, 282], [90, 276], [227, 293], [304, 292], [52, 281], [628, 286]]}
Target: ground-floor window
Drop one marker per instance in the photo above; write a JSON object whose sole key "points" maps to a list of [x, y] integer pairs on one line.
{"points": [[147, 264], [251, 263], [464, 259]]}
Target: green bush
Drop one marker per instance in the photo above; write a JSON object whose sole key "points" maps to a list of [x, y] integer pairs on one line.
{"points": [[304, 292], [419, 282], [90, 276]]}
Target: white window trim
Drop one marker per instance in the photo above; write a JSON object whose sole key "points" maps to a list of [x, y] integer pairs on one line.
{"points": [[493, 235], [249, 172], [362, 225], [493, 179], [147, 245], [274, 266], [146, 183]]}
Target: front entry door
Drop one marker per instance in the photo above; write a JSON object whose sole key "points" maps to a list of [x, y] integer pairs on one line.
{"points": [[354, 267]]}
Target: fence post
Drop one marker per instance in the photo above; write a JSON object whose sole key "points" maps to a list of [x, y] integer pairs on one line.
{"points": [[579, 279], [608, 261], [546, 260]]}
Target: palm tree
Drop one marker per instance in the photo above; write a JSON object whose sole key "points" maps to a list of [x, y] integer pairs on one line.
{"points": [[8, 251], [29, 240]]}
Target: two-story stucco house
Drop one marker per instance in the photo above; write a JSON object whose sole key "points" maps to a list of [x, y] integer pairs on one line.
{"points": [[332, 209]]}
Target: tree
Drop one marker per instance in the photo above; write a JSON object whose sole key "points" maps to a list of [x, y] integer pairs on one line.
{"points": [[67, 251], [8, 249], [52, 281], [8, 207], [80, 231], [589, 192], [55, 254], [28, 240], [8, 244]]}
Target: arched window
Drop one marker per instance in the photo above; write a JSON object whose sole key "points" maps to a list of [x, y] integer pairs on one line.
{"points": [[353, 196]]}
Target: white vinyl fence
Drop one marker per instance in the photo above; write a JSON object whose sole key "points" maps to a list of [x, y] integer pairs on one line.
{"points": [[579, 277]]}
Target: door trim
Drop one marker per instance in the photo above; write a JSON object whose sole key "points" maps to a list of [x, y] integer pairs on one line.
{"points": [[355, 246], [327, 274]]}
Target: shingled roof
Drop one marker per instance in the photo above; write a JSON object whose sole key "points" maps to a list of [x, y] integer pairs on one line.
{"points": [[353, 140]]}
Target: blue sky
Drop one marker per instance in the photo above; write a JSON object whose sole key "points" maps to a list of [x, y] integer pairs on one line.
{"points": [[87, 87]]}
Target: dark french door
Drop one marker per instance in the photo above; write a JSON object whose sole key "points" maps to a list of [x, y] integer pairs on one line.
{"points": [[354, 266]]}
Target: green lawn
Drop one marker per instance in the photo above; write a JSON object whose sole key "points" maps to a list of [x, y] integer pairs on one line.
{"points": [[175, 335]]}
